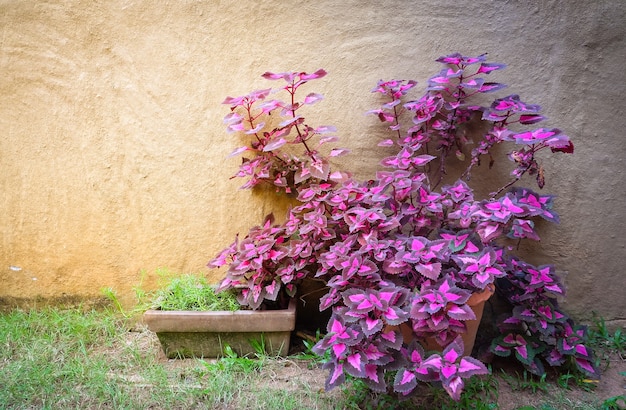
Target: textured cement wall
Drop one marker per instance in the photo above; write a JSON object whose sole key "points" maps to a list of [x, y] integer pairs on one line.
{"points": [[113, 157]]}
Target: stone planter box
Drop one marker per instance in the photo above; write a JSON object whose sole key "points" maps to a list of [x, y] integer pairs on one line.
{"points": [[204, 334]]}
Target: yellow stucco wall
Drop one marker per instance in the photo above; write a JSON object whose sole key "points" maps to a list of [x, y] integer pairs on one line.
{"points": [[113, 156]]}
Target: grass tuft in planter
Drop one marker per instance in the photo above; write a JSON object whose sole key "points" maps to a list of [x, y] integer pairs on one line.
{"points": [[191, 320], [192, 292]]}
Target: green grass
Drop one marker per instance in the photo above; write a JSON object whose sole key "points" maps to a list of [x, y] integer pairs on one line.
{"points": [[189, 291], [61, 359], [74, 359], [86, 359], [193, 292]]}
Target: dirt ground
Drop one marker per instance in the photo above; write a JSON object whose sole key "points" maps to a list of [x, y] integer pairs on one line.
{"points": [[513, 393]]}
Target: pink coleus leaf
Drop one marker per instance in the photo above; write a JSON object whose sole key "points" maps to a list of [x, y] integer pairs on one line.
{"points": [[487, 68], [470, 366], [317, 74], [528, 119], [274, 145], [268, 106], [312, 98], [535, 136], [233, 118], [461, 312], [491, 87], [354, 360], [327, 139], [336, 375], [488, 231], [272, 290], [422, 160], [288, 76], [458, 59], [430, 270], [319, 168], [581, 350], [453, 351], [405, 381], [371, 326], [372, 373], [454, 387], [522, 352], [239, 151], [394, 267], [290, 121], [235, 127], [361, 302], [567, 147], [256, 129], [329, 299], [587, 367], [337, 152], [512, 103]]}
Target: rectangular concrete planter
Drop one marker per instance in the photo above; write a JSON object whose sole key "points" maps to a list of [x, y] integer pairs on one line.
{"points": [[204, 334]]}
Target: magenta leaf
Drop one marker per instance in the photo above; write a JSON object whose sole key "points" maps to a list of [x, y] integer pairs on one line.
{"points": [[491, 87], [312, 98], [319, 168], [587, 367], [374, 378], [430, 270], [488, 231], [239, 151], [531, 118], [274, 145], [337, 152], [563, 146], [470, 366], [461, 312], [452, 366], [277, 76], [489, 67], [336, 375], [354, 365], [459, 59], [405, 381], [422, 160], [318, 74]]}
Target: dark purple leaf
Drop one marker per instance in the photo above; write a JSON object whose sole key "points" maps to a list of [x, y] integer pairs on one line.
{"points": [[528, 119], [491, 87]]}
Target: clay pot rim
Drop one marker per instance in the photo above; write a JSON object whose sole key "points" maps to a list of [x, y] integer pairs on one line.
{"points": [[482, 296]]}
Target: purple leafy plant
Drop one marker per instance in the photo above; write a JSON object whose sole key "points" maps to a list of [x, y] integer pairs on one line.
{"points": [[408, 248]]}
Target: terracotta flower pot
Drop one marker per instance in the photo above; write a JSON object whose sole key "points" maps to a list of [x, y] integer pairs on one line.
{"points": [[204, 334], [477, 303]]}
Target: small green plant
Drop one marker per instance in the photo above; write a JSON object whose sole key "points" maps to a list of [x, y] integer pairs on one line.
{"points": [[614, 403], [601, 336], [231, 362], [309, 341], [192, 292], [569, 380], [526, 381], [110, 294]]}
